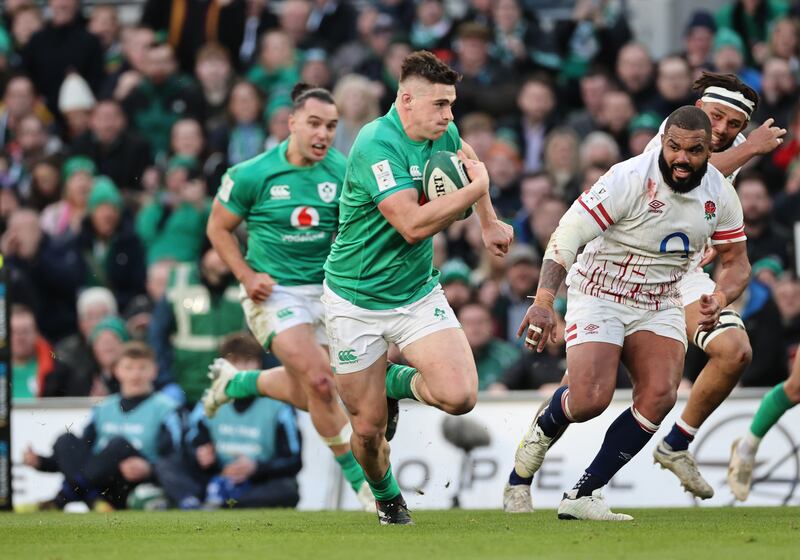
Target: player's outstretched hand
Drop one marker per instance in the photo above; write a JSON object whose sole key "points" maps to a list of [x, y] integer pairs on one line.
{"points": [[240, 470], [766, 137], [134, 469], [476, 170], [497, 237], [258, 286], [538, 326], [710, 310]]}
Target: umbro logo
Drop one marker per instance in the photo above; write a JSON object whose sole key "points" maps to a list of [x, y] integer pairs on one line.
{"points": [[591, 328], [656, 206]]}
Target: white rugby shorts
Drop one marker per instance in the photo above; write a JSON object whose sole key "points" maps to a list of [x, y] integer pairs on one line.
{"points": [[359, 337], [286, 307], [591, 319], [694, 284]]}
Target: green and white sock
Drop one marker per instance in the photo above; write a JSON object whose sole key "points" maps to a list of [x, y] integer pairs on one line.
{"points": [[386, 489], [773, 406], [243, 385], [399, 381], [351, 470]]}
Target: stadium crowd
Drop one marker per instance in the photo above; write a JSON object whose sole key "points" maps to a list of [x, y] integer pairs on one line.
{"points": [[114, 137]]}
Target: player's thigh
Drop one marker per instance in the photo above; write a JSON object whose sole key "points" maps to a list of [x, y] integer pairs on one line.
{"points": [[300, 353], [445, 361], [655, 363], [592, 370], [363, 393]]}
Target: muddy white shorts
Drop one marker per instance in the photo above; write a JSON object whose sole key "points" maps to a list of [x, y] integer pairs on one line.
{"points": [[694, 284], [286, 307], [591, 319], [358, 336]]}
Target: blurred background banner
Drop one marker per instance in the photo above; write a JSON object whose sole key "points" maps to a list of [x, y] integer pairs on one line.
{"points": [[433, 472]]}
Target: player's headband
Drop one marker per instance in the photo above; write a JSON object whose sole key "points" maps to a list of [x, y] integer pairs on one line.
{"points": [[733, 99]]}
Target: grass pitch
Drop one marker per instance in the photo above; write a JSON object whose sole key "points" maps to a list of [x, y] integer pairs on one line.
{"points": [[709, 533]]}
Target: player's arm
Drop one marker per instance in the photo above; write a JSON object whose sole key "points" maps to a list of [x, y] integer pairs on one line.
{"points": [[497, 235], [762, 140], [586, 219], [221, 225], [731, 282], [416, 223]]}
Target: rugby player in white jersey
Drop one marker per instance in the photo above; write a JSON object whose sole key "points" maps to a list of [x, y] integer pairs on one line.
{"points": [[643, 223]]}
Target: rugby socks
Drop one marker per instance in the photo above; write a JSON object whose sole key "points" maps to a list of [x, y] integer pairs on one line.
{"points": [[773, 406], [351, 470], [556, 415], [516, 480], [626, 436], [386, 489], [399, 382], [681, 435], [243, 385]]}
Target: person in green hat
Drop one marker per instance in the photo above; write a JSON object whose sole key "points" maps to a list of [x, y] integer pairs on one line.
{"points": [[456, 283], [277, 68], [172, 226], [66, 215], [112, 253], [752, 21], [730, 58], [641, 130], [107, 341]]}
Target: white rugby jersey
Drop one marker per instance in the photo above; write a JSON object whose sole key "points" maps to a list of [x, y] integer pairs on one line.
{"points": [[648, 234], [655, 142]]}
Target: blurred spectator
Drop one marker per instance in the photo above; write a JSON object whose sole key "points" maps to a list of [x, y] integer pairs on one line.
{"points": [[136, 43], [158, 275], [534, 187], [332, 23], [75, 102], [561, 160], [698, 38], [128, 432], [388, 74], [593, 87], [44, 273], [187, 140], [185, 337], [277, 116], [32, 143], [673, 85], [477, 130], [277, 69], [787, 203], [729, 58], [161, 98], [634, 69], [521, 278], [779, 92], [94, 305], [784, 40], [365, 50], [137, 316], [788, 152], [616, 113], [315, 70], [505, 168], [104, 25], [492, 355], [27, 22], [485, 85], [357, 100], [19, 101], [189, 24], [752, 20], [112, 254], [45, 183], [545, 219], [172, 226], [293, 19], [516, 37], [65, 216], [62, 45], [599, 149], [243, 135], [538, 370], [248, 455], [32, 358], [456, 283], [641, 130], [258, 18], [536, 101], [215, 74], [432, 29], [764, 237], [117, 151], [787, 297]]}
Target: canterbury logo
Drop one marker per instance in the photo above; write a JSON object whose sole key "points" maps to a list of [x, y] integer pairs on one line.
{"points": [[347, 356]]}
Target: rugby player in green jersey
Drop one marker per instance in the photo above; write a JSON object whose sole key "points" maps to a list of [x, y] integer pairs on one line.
{"points": [[289, 199], [380, 284]]}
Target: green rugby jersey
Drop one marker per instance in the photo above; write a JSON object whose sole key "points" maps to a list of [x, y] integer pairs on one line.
{"points": [[370, 264], [291, 212]]}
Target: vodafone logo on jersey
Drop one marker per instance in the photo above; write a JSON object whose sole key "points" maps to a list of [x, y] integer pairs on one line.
{"points": [[305, 217]]}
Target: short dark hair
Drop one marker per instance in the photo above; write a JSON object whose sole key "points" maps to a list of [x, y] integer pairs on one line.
{"points": [[136, 350], [21, 309], [302, 92], [240, 346], [425, 65], [727, 81], [689, 117]]}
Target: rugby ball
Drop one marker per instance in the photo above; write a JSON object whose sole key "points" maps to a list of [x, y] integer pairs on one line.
{"points": [[444, 173]]}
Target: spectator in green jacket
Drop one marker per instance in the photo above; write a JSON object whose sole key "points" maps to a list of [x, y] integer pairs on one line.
{"points": [[492, 355]]}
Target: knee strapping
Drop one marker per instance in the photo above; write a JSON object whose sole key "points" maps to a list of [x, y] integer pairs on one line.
{"points": [[342, 438], [728, 319]]}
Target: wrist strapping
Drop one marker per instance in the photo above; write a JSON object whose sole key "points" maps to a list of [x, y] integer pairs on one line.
{"points": [[544, 298]]}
